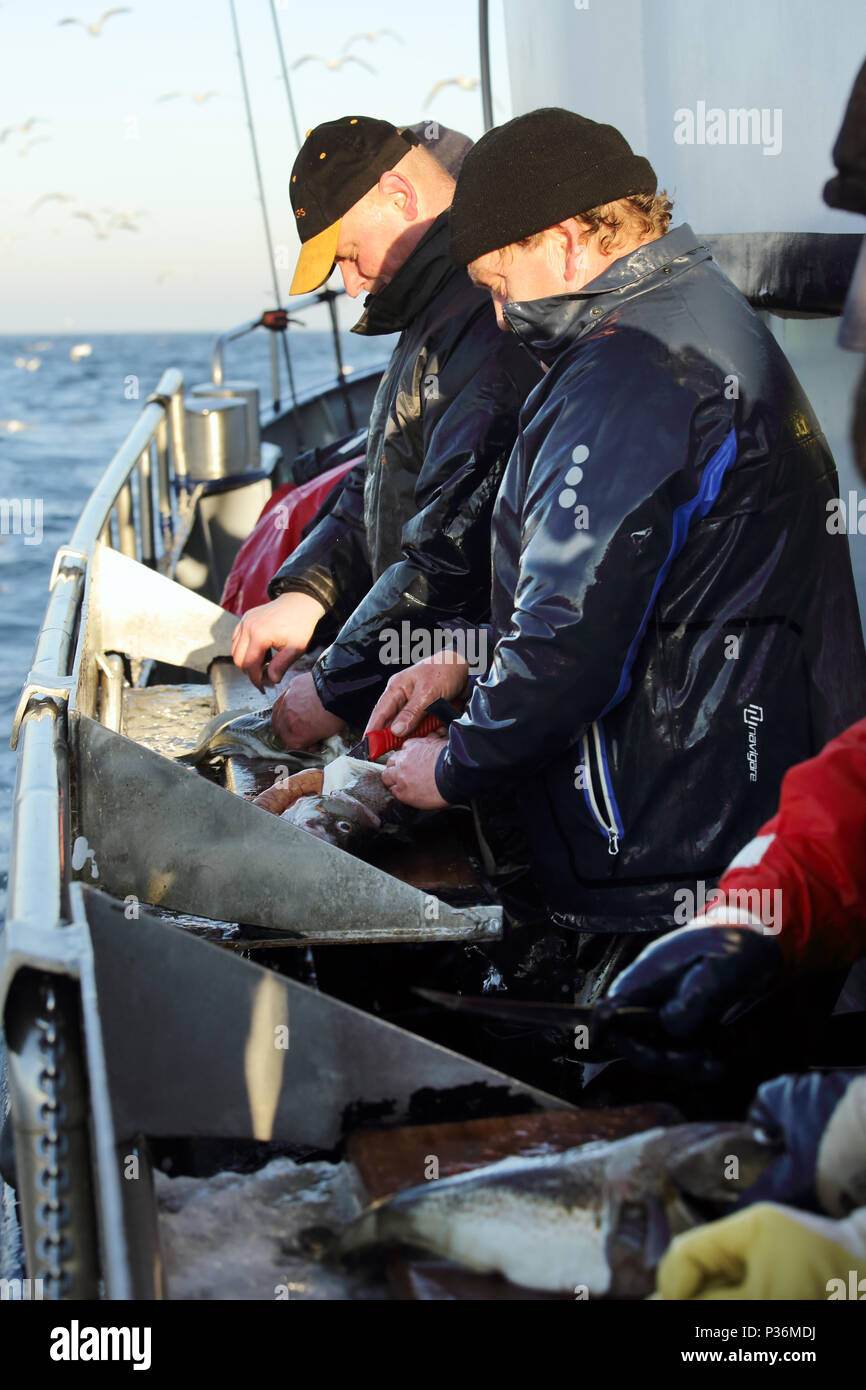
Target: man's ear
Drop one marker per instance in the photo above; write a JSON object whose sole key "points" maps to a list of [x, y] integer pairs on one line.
{"points": [[576, 239], [399, 191]]}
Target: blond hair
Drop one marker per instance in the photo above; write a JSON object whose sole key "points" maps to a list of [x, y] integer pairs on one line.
{"points": [[627, 219]]}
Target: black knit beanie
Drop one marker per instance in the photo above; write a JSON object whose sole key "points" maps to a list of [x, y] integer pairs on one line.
{"points": [[848, 189], [538, 170]]}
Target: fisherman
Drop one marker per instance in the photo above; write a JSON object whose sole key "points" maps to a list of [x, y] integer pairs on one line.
{"points": [[674, 625], [792, 902], [374, 201], [804, 1233]]}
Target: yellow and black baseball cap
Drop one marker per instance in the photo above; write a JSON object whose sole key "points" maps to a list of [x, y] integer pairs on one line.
{"points": [[337, 164]]}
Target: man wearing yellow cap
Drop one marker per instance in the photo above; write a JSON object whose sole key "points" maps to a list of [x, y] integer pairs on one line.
{"points": [[408, 538]]}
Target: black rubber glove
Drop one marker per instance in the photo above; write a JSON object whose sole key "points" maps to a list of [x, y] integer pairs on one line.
{"points": [[694, 976], [793, 1112]]}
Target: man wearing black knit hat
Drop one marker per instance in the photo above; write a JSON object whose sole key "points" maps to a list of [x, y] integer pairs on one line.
{"points": [[674, 625]]}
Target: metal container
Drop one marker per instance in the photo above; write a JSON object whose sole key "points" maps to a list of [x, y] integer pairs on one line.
{"points": [[238, 390], [217, 438]]}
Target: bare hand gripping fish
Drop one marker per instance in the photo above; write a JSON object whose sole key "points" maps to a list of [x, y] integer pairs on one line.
{"points": [[599, 1216]]}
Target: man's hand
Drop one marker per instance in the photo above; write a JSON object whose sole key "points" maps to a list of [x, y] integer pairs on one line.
{"points": [[287, 623], [693, 977], [443, 676], [766, 1252], [299, 718], [410, 773]]}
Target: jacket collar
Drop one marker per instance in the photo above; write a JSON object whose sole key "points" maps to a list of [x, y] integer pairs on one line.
{"points": [[550, 325], [420, 278]]}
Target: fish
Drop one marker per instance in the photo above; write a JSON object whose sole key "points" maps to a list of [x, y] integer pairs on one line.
{"points": [[350, 817], [247, 734], [592, 1221]]}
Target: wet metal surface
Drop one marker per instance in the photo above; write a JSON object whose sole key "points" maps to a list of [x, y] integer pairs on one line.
{"points": [[167, 718]]}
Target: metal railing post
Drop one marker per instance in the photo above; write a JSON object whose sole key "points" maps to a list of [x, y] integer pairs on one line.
{"points": [[147, 539], [163, 486]]}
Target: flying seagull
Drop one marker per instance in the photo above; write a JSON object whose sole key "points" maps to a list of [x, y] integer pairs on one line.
{"points": [[95, 29], [467, 84], [40, 140], [21, 129], [371, 36], [332, 63], [52, 198], [98, 228]]}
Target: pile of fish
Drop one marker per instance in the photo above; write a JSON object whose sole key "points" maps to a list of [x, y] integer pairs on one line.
{"points": [[351, 816], [592, 1221]]}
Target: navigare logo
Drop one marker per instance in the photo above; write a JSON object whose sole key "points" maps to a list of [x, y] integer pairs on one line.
{"points": [[76, 1343], [753, 716]]}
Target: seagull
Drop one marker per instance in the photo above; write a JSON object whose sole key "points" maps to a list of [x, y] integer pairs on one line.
{"points": [[30, 123], [99, 230], [371, 36], [40, 140], [197, 97], [468, 84], [124, 220], [52, 198], [331, 63], [95, 30], [20, 129]]}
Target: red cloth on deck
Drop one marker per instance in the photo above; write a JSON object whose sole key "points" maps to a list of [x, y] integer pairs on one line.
{"points": [[274, 536]]}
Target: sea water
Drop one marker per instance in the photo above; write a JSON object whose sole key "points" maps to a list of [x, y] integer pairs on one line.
{"points": [[63, 413]]}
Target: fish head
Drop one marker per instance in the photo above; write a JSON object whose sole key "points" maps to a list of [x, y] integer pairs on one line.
{"points": [[338, 819]]}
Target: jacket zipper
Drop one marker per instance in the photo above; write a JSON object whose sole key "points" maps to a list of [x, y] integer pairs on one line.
{"points": [[603, 806]]}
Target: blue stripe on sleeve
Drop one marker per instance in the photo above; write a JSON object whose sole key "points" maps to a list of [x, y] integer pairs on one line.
{"points": [[700, 504]]}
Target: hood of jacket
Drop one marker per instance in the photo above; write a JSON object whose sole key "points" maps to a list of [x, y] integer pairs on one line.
{"points": [[549, 326], [419, 280]]}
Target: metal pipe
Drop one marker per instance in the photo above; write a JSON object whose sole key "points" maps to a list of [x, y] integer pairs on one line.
{"points": [[218, 353], [163, 487], [97, 510], [286, 82], [484, 57], [338, 353], [111, 690], [275, 372], [145, 510], [125, 514], [177, 432]]}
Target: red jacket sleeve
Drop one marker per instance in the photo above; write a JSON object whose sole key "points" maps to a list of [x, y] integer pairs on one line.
{"points": [[809, 861]]}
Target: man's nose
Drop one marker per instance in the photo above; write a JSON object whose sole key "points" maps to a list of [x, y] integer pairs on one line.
{"points": [[351, 279]]}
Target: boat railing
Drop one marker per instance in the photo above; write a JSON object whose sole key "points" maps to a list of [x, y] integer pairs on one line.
{"points": [[138, 507], [278, 323]]}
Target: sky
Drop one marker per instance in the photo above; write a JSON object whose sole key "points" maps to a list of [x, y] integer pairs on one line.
{"points": [[180, 170]]}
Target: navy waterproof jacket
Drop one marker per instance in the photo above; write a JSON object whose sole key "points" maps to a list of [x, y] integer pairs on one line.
{"points": [[441, 431], [674, 625]]}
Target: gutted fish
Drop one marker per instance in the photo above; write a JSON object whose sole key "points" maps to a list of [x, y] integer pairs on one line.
{"points": [[358, 810], [288, 790], [596, 1218], [247, 734]]}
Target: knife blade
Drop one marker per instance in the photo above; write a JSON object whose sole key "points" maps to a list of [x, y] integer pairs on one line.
{"points": [[601, 1021]]}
